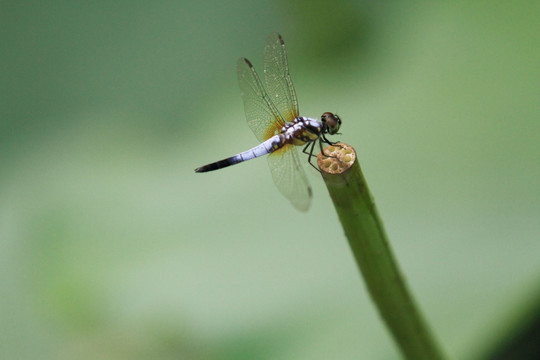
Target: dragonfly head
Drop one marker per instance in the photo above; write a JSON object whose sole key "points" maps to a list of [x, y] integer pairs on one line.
{"points": [[332, 122]]}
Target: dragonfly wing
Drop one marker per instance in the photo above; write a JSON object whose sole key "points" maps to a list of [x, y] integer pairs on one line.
{"points": [[290, 177], [262, 116], [278, 79]]}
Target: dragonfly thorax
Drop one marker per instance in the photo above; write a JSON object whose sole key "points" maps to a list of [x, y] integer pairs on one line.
{"points": [[303, 130]]}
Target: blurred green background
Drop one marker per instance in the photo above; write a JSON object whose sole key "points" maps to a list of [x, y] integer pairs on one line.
{"points": [[113, 248]]}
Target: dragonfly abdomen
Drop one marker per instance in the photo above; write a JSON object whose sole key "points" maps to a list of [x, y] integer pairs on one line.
{"points": [[270, 145]]}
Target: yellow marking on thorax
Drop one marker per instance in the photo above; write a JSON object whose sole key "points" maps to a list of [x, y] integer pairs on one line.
{"points": [[303, 135]]}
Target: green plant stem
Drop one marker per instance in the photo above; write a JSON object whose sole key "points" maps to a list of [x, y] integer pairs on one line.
{"points": [[368, 241]]}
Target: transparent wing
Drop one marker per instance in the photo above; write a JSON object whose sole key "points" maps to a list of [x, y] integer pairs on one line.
{"points": [[278, 79], [262, 116], [290, 177]]}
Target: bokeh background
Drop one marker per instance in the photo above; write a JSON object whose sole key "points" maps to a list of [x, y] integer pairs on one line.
{"points": [[113, 248]]}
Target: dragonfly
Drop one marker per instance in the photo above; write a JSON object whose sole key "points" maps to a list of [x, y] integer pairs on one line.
{"points": [[272, 115]]}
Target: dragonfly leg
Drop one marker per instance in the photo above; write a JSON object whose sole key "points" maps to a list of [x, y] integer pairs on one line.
{"points": [[305, 147], [310, 153], [328, 141]]}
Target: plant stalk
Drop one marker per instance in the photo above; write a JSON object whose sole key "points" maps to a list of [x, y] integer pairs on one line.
{"points": [[368, 241]]}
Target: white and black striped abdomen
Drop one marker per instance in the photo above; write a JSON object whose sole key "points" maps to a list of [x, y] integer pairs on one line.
{"points": [[270, 145]]}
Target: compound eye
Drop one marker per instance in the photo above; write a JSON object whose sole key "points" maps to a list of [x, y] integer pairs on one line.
{"points": [[332, 121]]}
